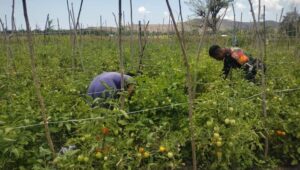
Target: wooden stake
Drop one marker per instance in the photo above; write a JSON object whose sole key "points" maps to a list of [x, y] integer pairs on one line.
{"points": [[121, 54], [263, 86], [189, 84], [131, 35], [36, 81]]}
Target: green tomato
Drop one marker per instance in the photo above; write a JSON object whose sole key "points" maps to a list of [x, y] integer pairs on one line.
{"points": [[82, 138], [219, 143], [209, 123], [87, 136], [216, 129], [227, 121], [98, 155], [232, 121], [85, 159], [216, 135], [170, 155], [139, 155], [80, 158]]}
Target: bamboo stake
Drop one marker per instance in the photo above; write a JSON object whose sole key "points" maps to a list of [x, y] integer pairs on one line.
{"points": [[263, 94], [101, 31], [189, 84], [6, 22], [74, 42], [199, 50], [234, 40], [78, 16], [13, 24], [121, 54], [124, 23], [140, 47], [181, 19], [241, 21], [281, 15], [46, 28], [263, 83], [58, 27], [117, 25], [131, 34], [37, 81], [259, 8], [9, 54]]}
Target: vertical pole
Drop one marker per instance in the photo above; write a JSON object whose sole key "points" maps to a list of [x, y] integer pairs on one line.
{"points": [[13, 24], [264, 104], [263, 86], [37, 81], [121, 54], [140, 47], [241, 21], [234, 40], [259, 8], [181, 19], [131, 34], [101, 31], [189, 84]]}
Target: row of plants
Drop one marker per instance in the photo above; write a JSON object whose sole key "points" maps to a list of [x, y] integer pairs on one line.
{"points": [[152, 131]]}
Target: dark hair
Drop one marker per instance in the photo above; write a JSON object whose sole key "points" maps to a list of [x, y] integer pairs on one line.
{"points": [[213, 50]]}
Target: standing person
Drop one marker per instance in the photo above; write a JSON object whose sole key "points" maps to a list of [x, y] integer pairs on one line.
{"points": [[236, 58], [108, 84]]}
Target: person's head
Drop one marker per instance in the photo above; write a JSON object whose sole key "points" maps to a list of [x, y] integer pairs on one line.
{"points": [[130, 85], [217, 52]]}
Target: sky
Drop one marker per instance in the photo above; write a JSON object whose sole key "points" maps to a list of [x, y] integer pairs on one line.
{"points": [[153, 10]]}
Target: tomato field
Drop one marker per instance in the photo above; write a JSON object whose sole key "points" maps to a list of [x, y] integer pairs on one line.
{"points": [[152, 131]]}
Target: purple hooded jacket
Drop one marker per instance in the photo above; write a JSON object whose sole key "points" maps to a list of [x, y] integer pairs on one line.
{"points": [[106, 85]]}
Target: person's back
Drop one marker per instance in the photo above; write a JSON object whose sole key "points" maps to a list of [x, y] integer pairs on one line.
{"points": [[106, 85]]}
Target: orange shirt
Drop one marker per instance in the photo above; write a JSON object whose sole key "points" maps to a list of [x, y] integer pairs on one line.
{"points": [[239, 55]]}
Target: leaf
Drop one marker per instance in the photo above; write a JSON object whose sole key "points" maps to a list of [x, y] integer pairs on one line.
{"points": [[8, 129], [16, 152], [294, 162], [122, 122], [298, 150], [9, 140], [130, 141], [68, 126], [2, 122], [125, 114], [44, 151]]}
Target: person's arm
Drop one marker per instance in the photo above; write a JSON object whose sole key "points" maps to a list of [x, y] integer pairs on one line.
{"points": [[227, 66], [226, 70]]}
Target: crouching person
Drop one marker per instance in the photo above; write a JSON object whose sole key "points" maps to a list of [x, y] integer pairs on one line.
{"points": [[108, 85], [236, 58]]}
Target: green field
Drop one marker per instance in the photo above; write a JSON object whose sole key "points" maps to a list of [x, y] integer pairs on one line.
{"points": [[229, 127]]}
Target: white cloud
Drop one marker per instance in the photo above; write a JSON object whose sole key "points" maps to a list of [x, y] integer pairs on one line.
{"points": [[143, 10], [166, 14], [270, 4], [240, 5], [296, 2]]}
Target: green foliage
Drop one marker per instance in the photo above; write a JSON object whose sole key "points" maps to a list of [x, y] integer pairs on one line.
{"points": [[229, 126]]}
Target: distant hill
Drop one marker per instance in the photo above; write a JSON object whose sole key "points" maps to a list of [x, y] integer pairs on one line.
{"points": [[191, 25], [228, 24]]}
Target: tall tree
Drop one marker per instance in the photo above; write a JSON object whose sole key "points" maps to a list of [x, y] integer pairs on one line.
{"points": [[290, 23], [212, 8]]}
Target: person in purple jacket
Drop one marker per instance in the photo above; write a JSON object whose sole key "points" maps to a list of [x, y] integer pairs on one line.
{"points": [[108, 84]]}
